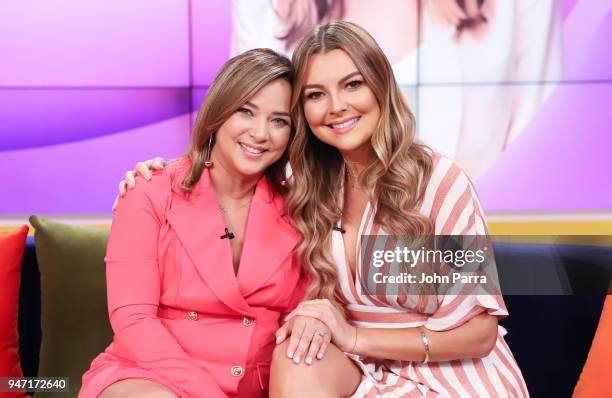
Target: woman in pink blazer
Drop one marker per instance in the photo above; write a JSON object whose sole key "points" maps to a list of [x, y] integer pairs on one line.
{"points": [[200, 261]]}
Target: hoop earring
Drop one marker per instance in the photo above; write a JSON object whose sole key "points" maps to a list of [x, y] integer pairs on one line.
{"points": [[208, 163]]}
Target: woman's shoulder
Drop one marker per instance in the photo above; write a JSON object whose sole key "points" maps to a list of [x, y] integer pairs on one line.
{"points": [[170, 177], [163, 184], [174, 168], [445, 169], [449, 192]]}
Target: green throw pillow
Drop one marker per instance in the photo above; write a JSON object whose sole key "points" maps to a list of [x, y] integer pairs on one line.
{"points": [[75, 322]]}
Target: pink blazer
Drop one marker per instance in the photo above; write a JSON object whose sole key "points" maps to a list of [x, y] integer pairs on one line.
{"points": [[180, 315]]}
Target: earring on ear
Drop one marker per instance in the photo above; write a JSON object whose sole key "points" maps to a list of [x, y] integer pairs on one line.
{"points": [[283, 183], [208, 163]]}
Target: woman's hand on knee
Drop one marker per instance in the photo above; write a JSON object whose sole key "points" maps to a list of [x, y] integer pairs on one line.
{"points": [[344, 334], [308, 338]]}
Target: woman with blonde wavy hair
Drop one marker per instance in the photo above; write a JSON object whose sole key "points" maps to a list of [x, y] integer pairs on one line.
{"points": [[357, 171]]}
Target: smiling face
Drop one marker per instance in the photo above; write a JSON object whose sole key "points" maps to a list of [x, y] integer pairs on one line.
{"points": [[340, 108], [256, 135]]}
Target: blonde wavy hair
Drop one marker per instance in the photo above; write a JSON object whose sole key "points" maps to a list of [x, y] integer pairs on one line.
{"points": [[396, 179], [238, 80]]}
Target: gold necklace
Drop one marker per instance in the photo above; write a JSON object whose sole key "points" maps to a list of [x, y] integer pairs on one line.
{"points": [[225, 211], [351, 176]]}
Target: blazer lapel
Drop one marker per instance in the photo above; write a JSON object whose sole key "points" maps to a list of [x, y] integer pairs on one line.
{"points": [[269, 239], [199, 226]]}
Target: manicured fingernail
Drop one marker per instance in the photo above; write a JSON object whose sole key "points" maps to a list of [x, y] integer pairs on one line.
{"points": [[296, 359], [278, 339], [309, 360], [319, 355], [290, 354]]}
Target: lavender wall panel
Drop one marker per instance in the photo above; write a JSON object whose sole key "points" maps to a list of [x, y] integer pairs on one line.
{"points": [[37, 117], [587, 31], [562, 160], [94, 43], [211, 24], [82, 177]]}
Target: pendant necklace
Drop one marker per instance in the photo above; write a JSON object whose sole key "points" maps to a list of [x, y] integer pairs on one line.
{"points": [[224, 213]]}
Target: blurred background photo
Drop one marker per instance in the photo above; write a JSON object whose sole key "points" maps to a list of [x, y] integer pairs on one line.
{"points": [[516, 91]]}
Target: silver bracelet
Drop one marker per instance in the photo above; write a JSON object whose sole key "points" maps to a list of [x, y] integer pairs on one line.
{"points": [[426, 345]]}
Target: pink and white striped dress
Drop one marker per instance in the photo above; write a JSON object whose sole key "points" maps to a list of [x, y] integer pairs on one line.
{"points": [[452, 205]]}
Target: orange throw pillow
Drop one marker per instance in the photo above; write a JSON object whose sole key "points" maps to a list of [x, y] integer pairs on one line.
{"points": [[12, 245], [595, 380]]}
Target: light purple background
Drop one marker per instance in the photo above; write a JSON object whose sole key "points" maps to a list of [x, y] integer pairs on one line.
{"points": [[97, 43], [562, 161], [89, 88]]}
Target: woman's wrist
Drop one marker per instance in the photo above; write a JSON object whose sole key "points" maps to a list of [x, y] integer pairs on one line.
{"points": [[350, 346], [425, 342], [377, 343], [355, 340]]}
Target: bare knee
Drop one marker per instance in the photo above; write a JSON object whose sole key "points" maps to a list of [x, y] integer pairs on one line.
{"points": [[137, 388], [328, 377], [288, 379]]}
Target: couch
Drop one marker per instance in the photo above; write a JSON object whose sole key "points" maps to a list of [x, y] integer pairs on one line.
{"points": [[550, 334]]}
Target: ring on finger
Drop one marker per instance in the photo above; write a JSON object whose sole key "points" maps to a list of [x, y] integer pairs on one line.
{"points": [[320, 333]]}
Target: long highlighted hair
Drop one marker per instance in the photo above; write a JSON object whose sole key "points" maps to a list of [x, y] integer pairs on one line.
{"points": [[396, 179]]}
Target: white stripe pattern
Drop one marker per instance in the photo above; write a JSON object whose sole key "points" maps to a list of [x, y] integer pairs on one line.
{"points": [[452, 205]]}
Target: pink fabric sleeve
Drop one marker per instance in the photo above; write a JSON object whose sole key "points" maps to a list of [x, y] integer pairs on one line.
{"points": [[133, 281], [455, 310]]}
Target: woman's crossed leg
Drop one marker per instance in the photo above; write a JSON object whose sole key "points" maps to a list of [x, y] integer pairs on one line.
{"points": [[333, 376]]}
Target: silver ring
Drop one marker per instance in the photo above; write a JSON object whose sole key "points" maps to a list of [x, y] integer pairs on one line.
{"points": [[320, 333]]}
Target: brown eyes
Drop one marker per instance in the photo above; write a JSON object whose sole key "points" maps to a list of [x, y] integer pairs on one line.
{"points": [[280, 122], [352, 85], [246, 111], [314, 95]]}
